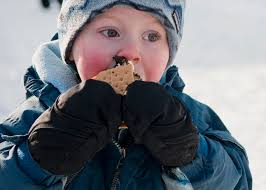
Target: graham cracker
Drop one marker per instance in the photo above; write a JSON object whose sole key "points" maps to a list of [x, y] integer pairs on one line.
{"points": [[119, 77]]}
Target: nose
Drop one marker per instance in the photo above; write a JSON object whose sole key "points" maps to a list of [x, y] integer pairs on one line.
{"points": [[131, 52]]}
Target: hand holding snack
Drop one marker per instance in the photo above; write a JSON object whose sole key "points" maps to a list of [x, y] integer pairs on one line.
{"points": [[160, 122], [79, 124]]}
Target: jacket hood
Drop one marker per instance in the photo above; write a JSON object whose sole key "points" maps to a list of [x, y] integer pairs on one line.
{"points": [[49, 66]]}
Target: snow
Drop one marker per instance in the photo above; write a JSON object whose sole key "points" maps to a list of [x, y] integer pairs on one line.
{"points": [[222, 59]]}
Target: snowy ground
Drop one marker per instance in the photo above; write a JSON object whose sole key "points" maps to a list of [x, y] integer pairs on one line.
{"points": [[222, 59]]}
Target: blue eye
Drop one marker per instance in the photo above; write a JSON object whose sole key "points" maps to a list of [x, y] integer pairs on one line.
{"points": [[152, 36], [111, 33]]}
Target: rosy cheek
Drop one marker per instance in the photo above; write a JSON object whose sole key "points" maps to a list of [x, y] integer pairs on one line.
{"points": [[153, 73], [98, 63], [90, 66]]}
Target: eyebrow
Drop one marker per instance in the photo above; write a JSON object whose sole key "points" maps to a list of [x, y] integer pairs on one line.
{"points": [[109, 17], [155, 21]]}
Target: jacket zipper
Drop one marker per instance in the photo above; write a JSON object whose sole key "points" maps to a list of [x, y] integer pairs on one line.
{"points": [[70, 178], [116, 180]]}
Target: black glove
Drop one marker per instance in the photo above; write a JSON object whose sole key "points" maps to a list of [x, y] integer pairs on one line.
{"points": [[79, 124], [160, 122]]}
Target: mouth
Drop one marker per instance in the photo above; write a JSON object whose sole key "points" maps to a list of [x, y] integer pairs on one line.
{"points": [[121, 60]]}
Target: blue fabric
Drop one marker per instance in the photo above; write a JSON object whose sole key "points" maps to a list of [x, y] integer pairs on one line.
{"points": [[220, 164], [50, 68]]}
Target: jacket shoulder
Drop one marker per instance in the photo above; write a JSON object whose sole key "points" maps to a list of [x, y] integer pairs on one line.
{"points": [[202, 115], [207, 121], [21, 119]]}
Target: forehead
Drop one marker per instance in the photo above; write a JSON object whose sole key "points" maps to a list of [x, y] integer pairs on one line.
{"points": [[119, 12]]}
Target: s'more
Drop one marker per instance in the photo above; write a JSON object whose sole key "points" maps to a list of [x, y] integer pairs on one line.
{"points": [[120, 76]]}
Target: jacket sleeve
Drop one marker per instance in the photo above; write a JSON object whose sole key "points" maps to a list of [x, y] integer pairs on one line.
{"points": [[17, 168], [221, 162]]}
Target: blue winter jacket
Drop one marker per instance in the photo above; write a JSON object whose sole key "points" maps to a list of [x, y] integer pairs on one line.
{"points": [[220, 164]]}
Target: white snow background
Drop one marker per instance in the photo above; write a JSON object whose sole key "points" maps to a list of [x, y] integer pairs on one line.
{"points": [[222, 60]]}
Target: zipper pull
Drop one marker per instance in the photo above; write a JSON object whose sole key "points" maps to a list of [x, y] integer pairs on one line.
{"points": [[123, 153]]}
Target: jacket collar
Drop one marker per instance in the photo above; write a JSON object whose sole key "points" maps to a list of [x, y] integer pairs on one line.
{"points": [[172, 79]]}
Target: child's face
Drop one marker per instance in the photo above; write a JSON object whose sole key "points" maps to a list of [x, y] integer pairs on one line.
{"points": [[122, 31]]}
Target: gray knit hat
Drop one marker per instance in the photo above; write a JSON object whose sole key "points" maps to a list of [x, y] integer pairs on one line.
{"points": [[75, 14]]}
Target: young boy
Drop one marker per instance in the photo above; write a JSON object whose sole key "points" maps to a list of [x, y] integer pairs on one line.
{"points": [[66, 136]]}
